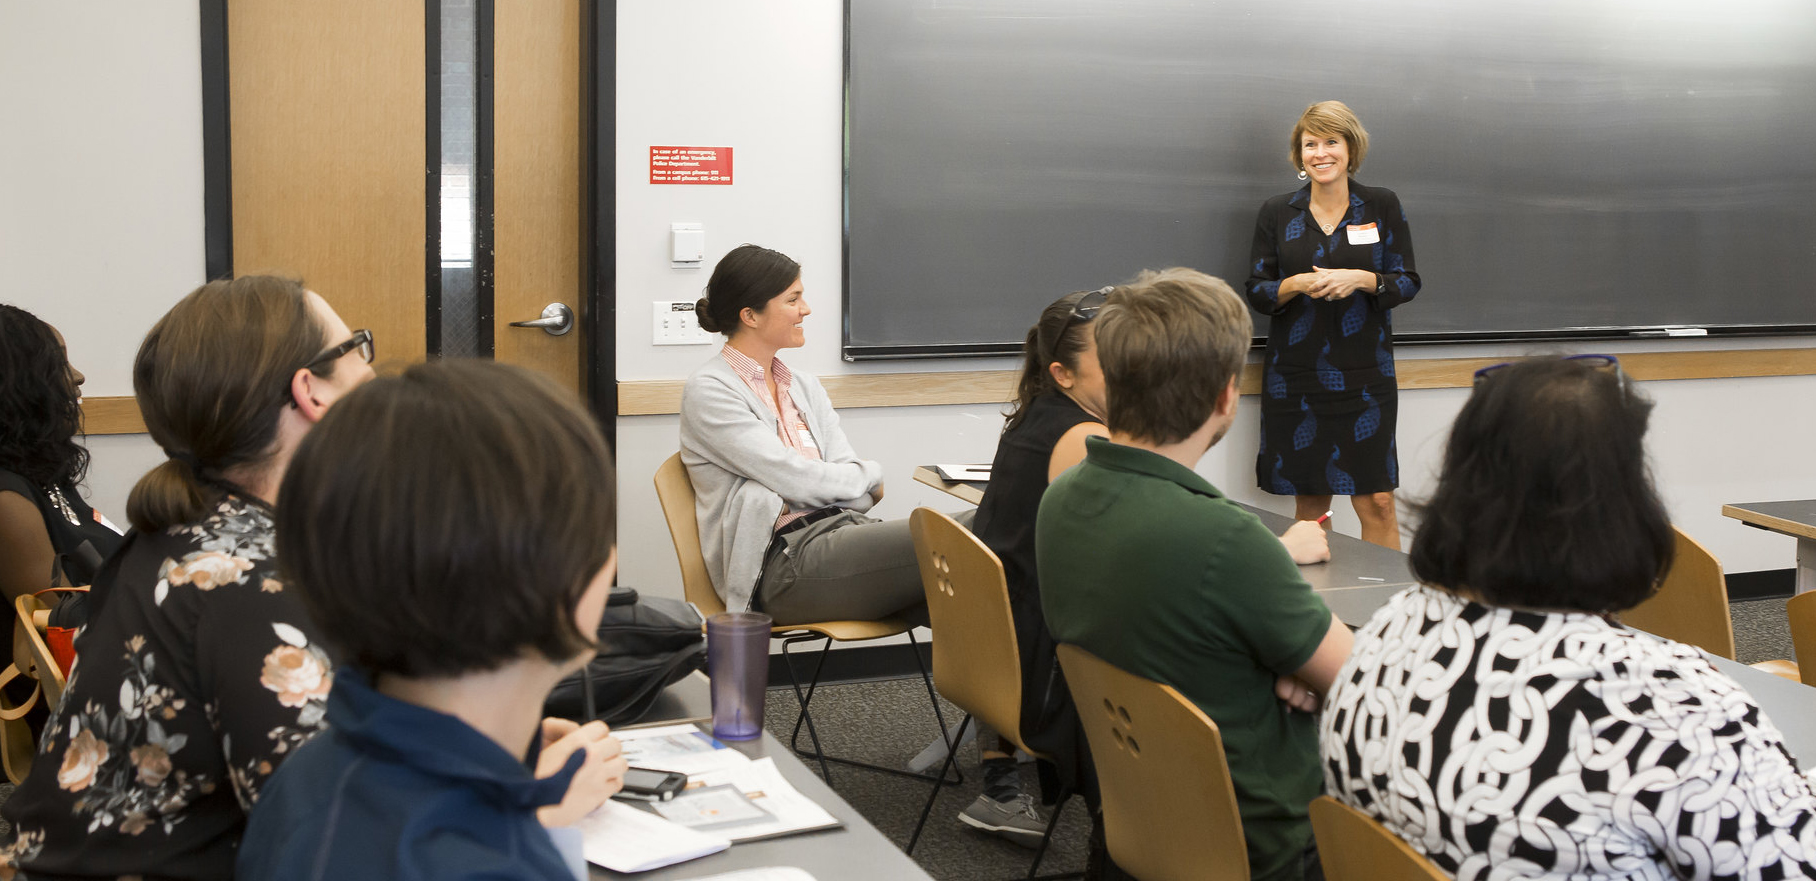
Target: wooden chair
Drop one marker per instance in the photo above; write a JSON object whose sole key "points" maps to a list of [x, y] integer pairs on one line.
{"points": [[675, 491], [1355, 847], [976, 659], [1691, 606], [1801, 609], [32, 660], [1169, 808]]}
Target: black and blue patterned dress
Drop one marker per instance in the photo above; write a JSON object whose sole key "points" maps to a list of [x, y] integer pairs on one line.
{"points": [[1329, 400]]}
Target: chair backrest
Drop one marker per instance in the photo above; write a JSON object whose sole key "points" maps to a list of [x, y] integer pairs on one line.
{"points": [[976, 662], [34, 657], [1801, 609], [676, 493], [1691, 605], [1169, 809], [1355, 847]]}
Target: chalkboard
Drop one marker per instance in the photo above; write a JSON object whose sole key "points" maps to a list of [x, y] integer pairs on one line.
{"points": [[1570, 168]]}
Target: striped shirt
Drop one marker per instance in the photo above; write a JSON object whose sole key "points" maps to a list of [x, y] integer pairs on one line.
{"points": [[789, 425]]}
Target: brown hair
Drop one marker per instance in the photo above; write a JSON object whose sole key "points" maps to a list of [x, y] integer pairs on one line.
{"points": [[1055, 337], [211, 378], [1169, 343], [1327, 119], [747, 278], [444, 520]]}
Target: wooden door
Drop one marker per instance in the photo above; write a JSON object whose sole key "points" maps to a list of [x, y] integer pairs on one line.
{"points": [[328, 121]]}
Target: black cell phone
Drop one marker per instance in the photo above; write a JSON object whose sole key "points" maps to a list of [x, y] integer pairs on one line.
{"points": [[646, 784]]}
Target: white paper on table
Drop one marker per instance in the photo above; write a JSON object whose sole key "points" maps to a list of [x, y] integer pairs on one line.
{"points": [[624, 839], [682, 749], [766, 873], [957, 473], [763, 784]]}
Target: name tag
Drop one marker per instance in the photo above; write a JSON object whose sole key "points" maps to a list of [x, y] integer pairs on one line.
{"points": [[806, 439], [1367, 234]]}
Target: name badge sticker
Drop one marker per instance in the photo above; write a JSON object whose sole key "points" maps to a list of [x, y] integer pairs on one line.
{"points": [[1366, 234], [806, 438]]}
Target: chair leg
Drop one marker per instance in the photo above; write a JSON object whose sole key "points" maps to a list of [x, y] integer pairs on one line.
{"points": [[938, 783], [803, 699], [938, 717], [1065, 795], [806, 698]]}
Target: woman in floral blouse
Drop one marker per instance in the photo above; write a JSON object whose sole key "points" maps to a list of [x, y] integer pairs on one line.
{"points": [[198, 671]]}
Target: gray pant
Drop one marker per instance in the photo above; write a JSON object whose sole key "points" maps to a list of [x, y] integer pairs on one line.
{"points": [[847, 567]]}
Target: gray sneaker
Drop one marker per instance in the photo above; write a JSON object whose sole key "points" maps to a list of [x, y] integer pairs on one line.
{"points": [[1017, 819]]}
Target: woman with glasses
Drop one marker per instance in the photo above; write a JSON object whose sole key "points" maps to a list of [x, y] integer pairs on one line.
{"points": [[1500, 719], [1329, 262], [780, 494], [199, 671]]}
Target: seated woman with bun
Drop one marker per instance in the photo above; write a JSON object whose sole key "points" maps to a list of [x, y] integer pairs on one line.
{"points": [[199, 671], [1500, 719], [455, 605], [779, 491]]}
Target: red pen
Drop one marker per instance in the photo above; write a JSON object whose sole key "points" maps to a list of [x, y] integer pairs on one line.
{"points": [[1320, 520]]}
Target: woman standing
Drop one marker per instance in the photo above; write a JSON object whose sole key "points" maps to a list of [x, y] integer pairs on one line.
{"points": [[1329, 262]]}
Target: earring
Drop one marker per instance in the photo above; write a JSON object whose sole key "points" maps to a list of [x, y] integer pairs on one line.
{"points": [[1302, 174]]}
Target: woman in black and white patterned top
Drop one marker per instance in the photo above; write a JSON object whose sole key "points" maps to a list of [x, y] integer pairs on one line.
{"points": [[1499, 719]]}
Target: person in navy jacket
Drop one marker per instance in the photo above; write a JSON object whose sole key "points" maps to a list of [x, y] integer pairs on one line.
{"points": [[452, 536]]}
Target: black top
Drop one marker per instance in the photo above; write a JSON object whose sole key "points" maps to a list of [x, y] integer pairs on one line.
{"points": [[70, 522], [196, 678], [1329, 398], [1005, 523]]}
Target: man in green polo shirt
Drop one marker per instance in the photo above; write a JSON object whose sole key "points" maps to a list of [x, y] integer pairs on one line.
{"points": [[1146, 565]]}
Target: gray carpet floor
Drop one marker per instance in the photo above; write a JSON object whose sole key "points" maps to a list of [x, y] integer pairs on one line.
{"points": [[889, 722]]}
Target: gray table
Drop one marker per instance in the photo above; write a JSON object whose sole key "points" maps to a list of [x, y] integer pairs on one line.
{"points": [[1790, 705], [855, 850], [1796, 519]]}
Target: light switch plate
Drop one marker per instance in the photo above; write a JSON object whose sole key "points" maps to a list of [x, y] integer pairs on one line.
{"points": [[675, 324]]}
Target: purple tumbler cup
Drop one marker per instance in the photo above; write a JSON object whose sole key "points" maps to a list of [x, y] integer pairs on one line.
{"points": [[737, 661]]}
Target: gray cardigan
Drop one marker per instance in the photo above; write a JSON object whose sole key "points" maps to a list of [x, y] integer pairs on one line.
{"points": [[743, 473]]}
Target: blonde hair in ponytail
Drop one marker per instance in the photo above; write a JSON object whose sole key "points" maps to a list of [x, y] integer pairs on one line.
{"points": [[211, 379]]}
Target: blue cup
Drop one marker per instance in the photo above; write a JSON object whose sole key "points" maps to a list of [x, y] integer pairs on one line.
{"points": [[737, 661]]}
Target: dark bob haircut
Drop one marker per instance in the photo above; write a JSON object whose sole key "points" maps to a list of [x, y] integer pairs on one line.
{"points": [[747, 278], [1545, 499], [40, 414], [448, 520]]}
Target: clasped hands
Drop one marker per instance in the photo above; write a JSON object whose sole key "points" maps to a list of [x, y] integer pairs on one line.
{"points": [[1336, 284]]}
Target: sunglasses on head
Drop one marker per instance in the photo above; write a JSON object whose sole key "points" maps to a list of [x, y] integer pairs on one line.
{"points": [[1085, 309], [1599, 362]]}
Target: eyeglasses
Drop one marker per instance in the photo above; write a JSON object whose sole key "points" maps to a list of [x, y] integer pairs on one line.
{"points": [[1598, 362], [1084, 310], [361, 340]]}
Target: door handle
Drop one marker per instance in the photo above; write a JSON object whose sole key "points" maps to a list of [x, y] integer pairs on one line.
{"points": [[556, 320]]}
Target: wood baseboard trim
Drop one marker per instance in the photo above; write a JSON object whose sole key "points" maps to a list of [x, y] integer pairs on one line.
{"points": [[663, 397], [120, 415]]}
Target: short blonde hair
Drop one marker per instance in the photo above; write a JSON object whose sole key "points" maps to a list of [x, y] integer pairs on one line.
{"points": [[1169, 343], [1327, 119]]}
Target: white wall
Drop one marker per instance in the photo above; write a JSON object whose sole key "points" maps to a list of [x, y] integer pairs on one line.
{"points": [[101, 231], [766, 80], [101, 188]]}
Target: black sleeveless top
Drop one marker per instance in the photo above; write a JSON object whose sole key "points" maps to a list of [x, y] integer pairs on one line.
{"points": [[1005, 523], [70, 522]]}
